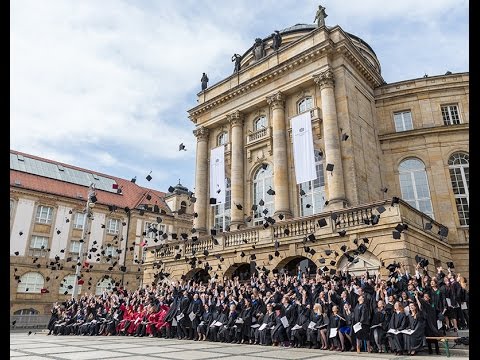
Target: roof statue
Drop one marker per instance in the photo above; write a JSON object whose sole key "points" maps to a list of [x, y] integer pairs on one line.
{"points": [[276, 40], [258, 49], [237, 58], [320, 16]]}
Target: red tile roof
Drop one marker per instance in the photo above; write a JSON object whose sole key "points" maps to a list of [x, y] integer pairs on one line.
{"points": [[132, 194]]}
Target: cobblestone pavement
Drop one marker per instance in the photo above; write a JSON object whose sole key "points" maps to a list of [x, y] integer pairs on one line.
{"points": [[40, 346]]}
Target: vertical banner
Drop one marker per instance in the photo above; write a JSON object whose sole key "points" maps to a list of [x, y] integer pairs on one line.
{"points": [[303, 155], [217, 174]]}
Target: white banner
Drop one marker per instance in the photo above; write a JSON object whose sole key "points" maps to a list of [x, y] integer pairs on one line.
{"points": [[217, 174], [303, 155]]}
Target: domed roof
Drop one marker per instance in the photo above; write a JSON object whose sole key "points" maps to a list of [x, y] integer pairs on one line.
{"points": [[180, 189]]}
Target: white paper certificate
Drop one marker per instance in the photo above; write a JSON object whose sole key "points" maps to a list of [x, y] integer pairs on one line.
{"points": [[357, 327], [263, 326], [311, 325], [191, 316], [333, 332], [284, 321], [180, 317]]}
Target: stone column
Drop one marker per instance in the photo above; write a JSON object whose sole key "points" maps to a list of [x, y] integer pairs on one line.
{"points": [[201, 179], [336, 188], [236, 180], [280, 158]]}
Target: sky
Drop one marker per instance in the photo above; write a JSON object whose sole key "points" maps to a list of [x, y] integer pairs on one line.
{"points": [[106, 85]]}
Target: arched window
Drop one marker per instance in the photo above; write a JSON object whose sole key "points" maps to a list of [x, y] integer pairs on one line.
{"points": [[31, 282], [312, 198], [260, 123], [104, 284], [30, 311], [305, 104], [262, 182], [67, 285], [414, 185], [222, 216], [458, 165], [183, 207], [222, 139]]}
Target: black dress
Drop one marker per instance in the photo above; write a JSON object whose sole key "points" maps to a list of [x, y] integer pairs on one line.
{"points": [[361, 314], [416, 341], [398, 321]]}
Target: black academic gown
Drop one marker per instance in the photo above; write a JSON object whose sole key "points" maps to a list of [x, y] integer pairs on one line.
{"points": [[335, 322], [398, 321], [416, 341], [243, 330], [279, 334], [361, 314], [303, 319], [430, 315]]}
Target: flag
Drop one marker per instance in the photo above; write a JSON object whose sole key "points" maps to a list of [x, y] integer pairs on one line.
{"points": [[303, 154], [217, 174]]}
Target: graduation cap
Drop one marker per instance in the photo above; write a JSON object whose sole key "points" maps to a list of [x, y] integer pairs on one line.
{"points": [[443, 231], [213, 201], [322, 222], [261, 202], [174, 236], [333, 271], [362, 249], [312, 252], [329, 167], [247, 219], [253, 257], [375, 219], [242, 254], [239, 206], [265, 211], [254, 207], [384, 189], [366, 221], [195, 215], [302, 192], [342, 233], [181, 147], [127, 209], [149, 177], [333, 262], [306, 249], [270, 191], [381, 209], [67, 220], [264, 166], [450, 265], [395, 200], [270, 257], [286, 232], [205, 252], [16, 253], [177, 257], [311, 237], [308, 206], [396, 234], [401, 227], [134, 179], [328, 252], [343, 248], [344, 137], [277, 253], [392, 267], [321, 261], [428, 226], [281, 216]]}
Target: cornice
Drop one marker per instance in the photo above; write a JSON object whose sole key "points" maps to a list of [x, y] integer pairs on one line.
{"points": [[402, 135]]}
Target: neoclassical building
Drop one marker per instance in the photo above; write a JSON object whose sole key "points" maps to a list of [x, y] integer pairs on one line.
{"points": [[399, 153], [47, 221]]}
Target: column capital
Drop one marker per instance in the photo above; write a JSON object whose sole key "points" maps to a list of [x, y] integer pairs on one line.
{"points": [[201, 133], [235, 118], [324, 79], [276, 100]]}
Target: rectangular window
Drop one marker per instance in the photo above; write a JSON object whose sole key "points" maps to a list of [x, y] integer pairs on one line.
{"points": [[74, 247], [450, 115], [403, 121], [44, 214], [113, 226], [78, 221], [151, 230], [111, 250], [38, 246]]}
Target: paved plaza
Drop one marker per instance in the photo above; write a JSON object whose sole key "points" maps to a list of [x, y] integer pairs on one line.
{"points": [[40, 346]]}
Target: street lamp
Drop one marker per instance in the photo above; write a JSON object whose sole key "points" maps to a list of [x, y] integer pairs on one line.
{"points": [[92, 198]]}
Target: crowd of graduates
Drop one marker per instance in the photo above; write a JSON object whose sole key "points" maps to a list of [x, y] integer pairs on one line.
{"points": [[338, 313]]}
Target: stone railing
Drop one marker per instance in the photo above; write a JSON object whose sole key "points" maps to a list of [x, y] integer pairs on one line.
{"points": [[167, 250], [257, 135], [298, 227], [354, 217], [241, 237], [199, 245]]}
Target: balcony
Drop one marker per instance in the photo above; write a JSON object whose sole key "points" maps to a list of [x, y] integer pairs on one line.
{"points": [[258, 135]]}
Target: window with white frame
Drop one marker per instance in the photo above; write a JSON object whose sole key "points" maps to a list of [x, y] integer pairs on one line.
{"points": [[69, 280], [403, 121], [74, 247], [414, 185], [222, 139], [111, 250], [305, 104], [113, 226], [79, 220], [262, 182], [44, 214], [143, 251], [104, 284], [221, 212], [31, 282], [38, 246], [313, 200], [450, 114], [458, 165], [260, 123]]}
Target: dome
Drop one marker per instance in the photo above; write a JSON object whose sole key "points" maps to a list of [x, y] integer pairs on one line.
{"points": [[180, 189]]}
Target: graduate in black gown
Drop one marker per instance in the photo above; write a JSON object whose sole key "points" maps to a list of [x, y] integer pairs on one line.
{"points": [[380, 326], [361, 314], [398, 322], [336, 322], [415, 341], [205, 321], [243, 330], [426, 306], [303, 319]]}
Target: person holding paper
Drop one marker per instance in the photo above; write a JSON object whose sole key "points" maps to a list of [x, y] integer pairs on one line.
{"points": [[194, 312], [431, 326], [242, 332], [415, 338], [221, 319], [182, 316], [278, 333], [161, 326], [290, 311], [437, 296], [205, 320], [263, 333], [379, 326], [346, 331], [313, 331], [299, 329], [361, 315], [398, 322], [226, 332], [336, 322]]}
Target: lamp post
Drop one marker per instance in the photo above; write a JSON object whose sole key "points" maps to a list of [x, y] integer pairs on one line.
{"points": [[91, 199]]}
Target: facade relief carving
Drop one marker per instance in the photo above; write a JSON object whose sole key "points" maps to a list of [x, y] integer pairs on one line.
{"points": [[324, 79], [201, 133], [276, 100]]}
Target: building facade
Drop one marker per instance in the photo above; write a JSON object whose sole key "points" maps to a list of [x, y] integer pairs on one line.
{"points": [[406, 140], [47, 220]]}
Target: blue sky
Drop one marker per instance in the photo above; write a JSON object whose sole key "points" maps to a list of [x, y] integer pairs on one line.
{"points": [[106, 85]]}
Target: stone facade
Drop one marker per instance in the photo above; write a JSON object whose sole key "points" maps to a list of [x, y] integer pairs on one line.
{"points": [[337, 77]]}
